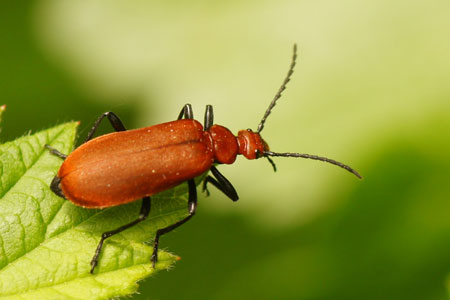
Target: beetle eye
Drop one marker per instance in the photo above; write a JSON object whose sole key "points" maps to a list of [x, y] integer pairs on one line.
{"points": [[259, 153]]}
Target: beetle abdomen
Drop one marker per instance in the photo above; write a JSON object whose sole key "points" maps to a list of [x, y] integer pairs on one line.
{"points": [[125, 166]]}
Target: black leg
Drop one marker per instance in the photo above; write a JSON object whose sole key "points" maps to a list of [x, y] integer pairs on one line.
{"points": [[113, 119], [209, 179], [209, 117], [54, 185], [55, 152], [187, 112], [192, 206], [221, 183], [145, 210]]}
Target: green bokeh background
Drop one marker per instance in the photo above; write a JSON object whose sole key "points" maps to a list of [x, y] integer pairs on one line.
{"points": [[371, 89]]}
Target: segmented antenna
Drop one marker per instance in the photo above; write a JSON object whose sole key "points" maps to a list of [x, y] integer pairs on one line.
{"points": [[282, 88], [315, 157]]}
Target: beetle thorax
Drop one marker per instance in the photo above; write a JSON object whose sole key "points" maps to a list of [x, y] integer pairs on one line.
{"points": [[225, 145]]}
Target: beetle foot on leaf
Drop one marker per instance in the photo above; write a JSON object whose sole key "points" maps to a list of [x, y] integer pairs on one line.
{"points": [[154, 258], [93, 265]]}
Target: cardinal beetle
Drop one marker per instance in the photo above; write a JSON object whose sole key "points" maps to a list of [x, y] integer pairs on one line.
{"points": [[125, 166]]}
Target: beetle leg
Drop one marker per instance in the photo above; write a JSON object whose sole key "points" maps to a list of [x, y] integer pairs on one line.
{"points": [[209, 117], [221, 183], [145, 210], [54, 185], [205, 184], [113, 119], [55, 152], [210, 179], [187, 112], [192, 206]]}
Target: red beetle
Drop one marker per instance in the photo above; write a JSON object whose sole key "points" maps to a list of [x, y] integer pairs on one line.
{"points": [[125, 166]]}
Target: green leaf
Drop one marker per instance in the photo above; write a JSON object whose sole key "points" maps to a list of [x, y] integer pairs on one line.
{"points": [[46, 242]]}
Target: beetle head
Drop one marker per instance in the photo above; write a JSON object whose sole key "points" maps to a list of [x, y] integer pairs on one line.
{"points": [[251, 145]]}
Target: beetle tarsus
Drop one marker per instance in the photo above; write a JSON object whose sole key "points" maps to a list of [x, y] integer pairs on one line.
{"points": [[55, 152], [205, 187], [94, 260], [154, 258]]}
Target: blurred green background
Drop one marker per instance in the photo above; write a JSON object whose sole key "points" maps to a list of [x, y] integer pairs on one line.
{"points": [[371, 89]]}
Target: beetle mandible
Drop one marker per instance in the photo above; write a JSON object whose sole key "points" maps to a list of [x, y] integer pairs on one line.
{"points": [[128, 165]]}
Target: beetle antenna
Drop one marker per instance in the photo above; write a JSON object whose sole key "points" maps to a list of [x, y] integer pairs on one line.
{"points": [[315, 157], [282, 88]]}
